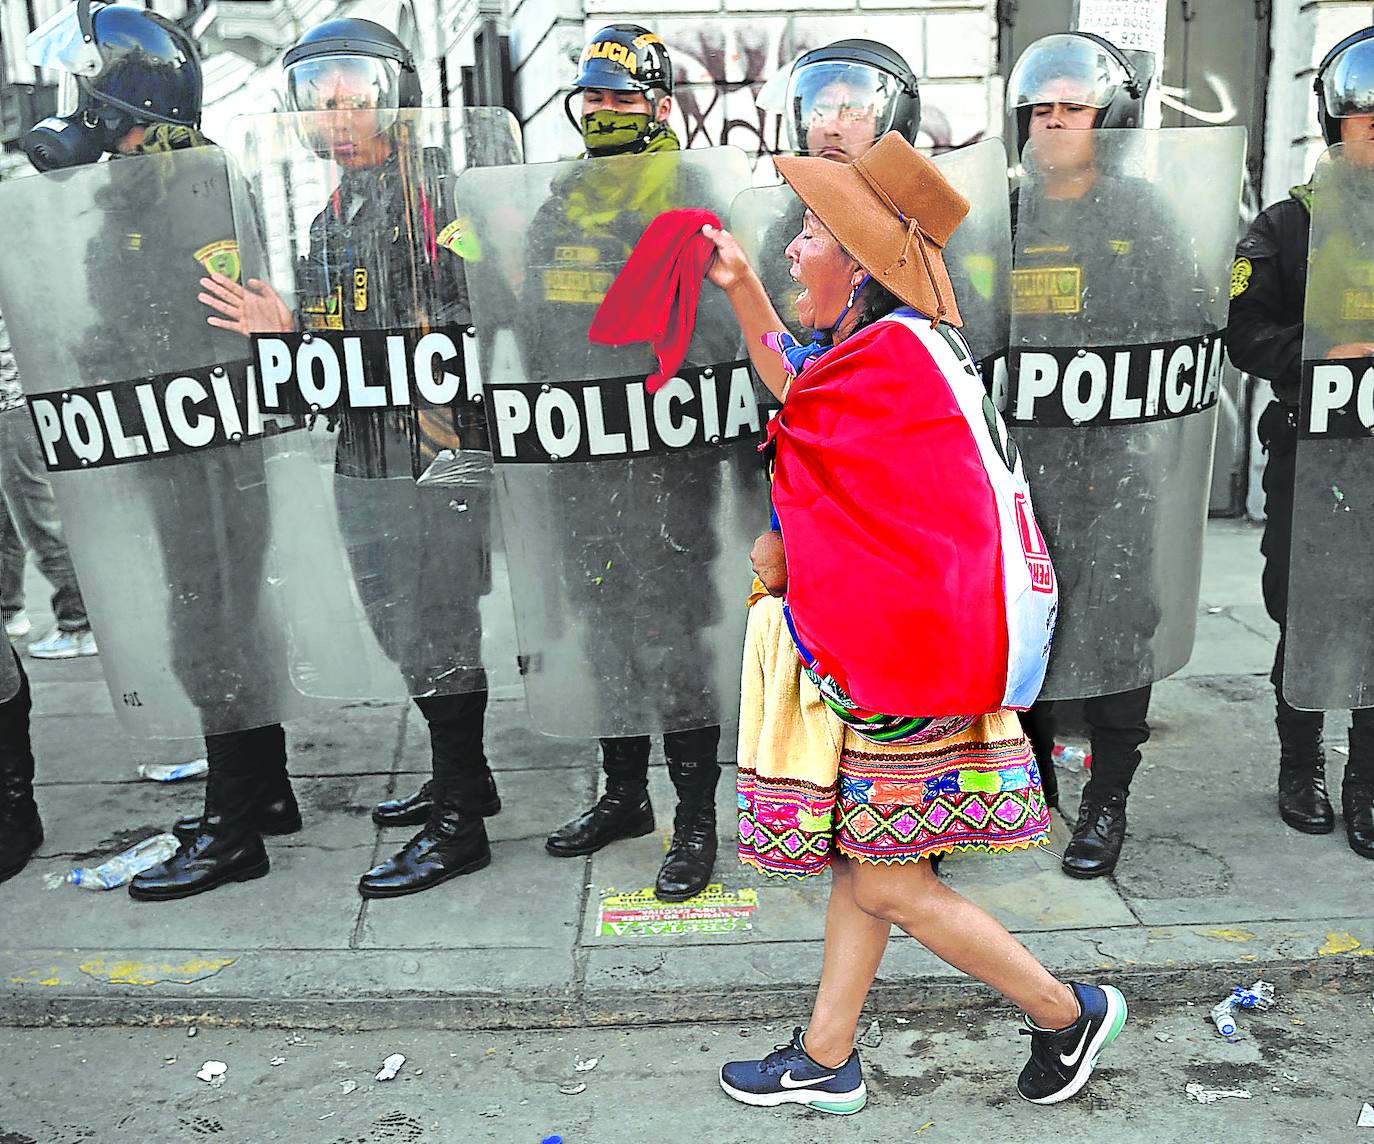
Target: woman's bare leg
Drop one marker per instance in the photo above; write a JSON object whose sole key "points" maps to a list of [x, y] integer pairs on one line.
{"points": [[967, 937], [854, 945]]}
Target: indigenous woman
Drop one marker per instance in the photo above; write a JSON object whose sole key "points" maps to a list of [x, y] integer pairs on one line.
{"points": [[906, 574]]}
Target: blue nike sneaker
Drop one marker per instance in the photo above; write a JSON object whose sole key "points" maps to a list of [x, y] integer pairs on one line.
{"points": [[1062, 1060], [788, 1076]]}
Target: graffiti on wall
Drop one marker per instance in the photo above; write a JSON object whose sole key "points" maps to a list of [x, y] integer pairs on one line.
{"points": [[723, 68]]}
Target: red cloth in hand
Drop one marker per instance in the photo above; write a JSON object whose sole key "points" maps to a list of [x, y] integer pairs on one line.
{"points": [[654, 297]]}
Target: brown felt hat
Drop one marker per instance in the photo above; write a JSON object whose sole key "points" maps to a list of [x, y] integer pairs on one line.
{"points": [[893, 211]]}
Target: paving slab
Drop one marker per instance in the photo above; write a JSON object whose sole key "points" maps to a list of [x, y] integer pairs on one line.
{"points": [[528, 901]]}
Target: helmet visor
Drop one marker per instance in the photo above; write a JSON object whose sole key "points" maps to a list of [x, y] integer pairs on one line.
{"points": [[834, 104], [58, 43], [1065, 69], [1348, 83], [345, 83]]}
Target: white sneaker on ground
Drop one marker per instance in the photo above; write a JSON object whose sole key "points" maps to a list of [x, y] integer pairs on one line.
{"points": [[64, 645], [18, 625]]}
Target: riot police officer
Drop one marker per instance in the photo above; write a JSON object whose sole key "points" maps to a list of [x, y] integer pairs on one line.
{"points": [[623, 95], [839, 100], [843, 97], [21, 827], [1269, 287], [1067, 269], [132, 86], [378, 258]]}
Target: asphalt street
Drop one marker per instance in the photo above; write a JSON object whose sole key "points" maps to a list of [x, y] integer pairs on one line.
{"points": [[947, 1077]]}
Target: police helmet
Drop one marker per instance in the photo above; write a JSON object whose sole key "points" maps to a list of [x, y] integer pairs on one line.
{"points": [[1075, 67], [625, 57], [353, 63], [122, 67], [859, 79], [1345, 83]]}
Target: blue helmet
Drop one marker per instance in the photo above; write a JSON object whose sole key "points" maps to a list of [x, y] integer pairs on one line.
{"points": [[123, 67]]}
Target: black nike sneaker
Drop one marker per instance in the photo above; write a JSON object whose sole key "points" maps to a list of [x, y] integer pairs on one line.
{"points": [[1062, 1060]]}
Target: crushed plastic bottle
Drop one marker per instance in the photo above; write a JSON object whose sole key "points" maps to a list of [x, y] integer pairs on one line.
{"points": [[1224, 1018], [120, 870], [1259, 996], [174, 772], [1070, 758]]}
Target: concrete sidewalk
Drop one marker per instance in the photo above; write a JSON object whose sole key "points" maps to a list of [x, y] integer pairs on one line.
{"points": [[1212, 890]]}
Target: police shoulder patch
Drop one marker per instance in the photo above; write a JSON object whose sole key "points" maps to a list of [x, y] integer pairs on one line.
{"points": [[220, 258], [1241, 270], [460, 240]]}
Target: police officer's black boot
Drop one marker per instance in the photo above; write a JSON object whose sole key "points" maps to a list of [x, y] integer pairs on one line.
{"points": [[455, 732], [1357, 788], [452, 843], [454, 839], [1118, 724], [1095, 847], [692, 853], [408, 810], [227, 847], [21, 829], [1303, 801], [624, 811], [275, 810]]}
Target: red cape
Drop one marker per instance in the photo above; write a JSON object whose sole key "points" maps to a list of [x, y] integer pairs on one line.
{"points": [[890, 524], [654, 297]]}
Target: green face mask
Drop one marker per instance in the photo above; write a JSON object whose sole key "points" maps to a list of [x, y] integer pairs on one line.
{"points": [[605, 131]]}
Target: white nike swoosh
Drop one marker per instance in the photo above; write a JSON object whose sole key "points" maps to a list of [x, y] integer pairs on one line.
{"points": [[1071, 1059], [787, 1082]]}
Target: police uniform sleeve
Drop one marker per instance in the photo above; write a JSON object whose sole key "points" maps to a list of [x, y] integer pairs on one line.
{"points": [[451, 302], [1261, 337]]}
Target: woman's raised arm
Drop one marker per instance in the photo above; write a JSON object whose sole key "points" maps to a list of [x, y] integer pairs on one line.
{"points": [[730, 270]]}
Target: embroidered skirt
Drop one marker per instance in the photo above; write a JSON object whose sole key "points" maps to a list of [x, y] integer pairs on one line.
{"points": [[979, 789], [809, 784]]}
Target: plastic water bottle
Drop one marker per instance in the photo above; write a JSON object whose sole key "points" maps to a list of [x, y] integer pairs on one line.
{"points": [[1070, 758], [174, 772], [1224, 1018], [120, 870]]}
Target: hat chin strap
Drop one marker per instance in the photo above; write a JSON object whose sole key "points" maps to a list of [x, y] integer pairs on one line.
{"points": [[914, 233]]}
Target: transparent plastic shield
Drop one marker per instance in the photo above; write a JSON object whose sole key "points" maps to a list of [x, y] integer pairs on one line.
{"points": [[158, 455], [364, 242], [1120, 278], [978, 257], [1329, 647], [62, 44], [628, 516]]}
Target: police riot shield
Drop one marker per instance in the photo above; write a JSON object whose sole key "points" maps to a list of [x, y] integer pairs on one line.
{"points": [[158, 453], [628, 513], [978, 256], [1121, 267], [373, 348], [1329, 641]]}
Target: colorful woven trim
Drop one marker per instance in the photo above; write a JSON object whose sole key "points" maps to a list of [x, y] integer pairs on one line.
{"points": [[879, 728], [786, 826], [899, 805]]}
